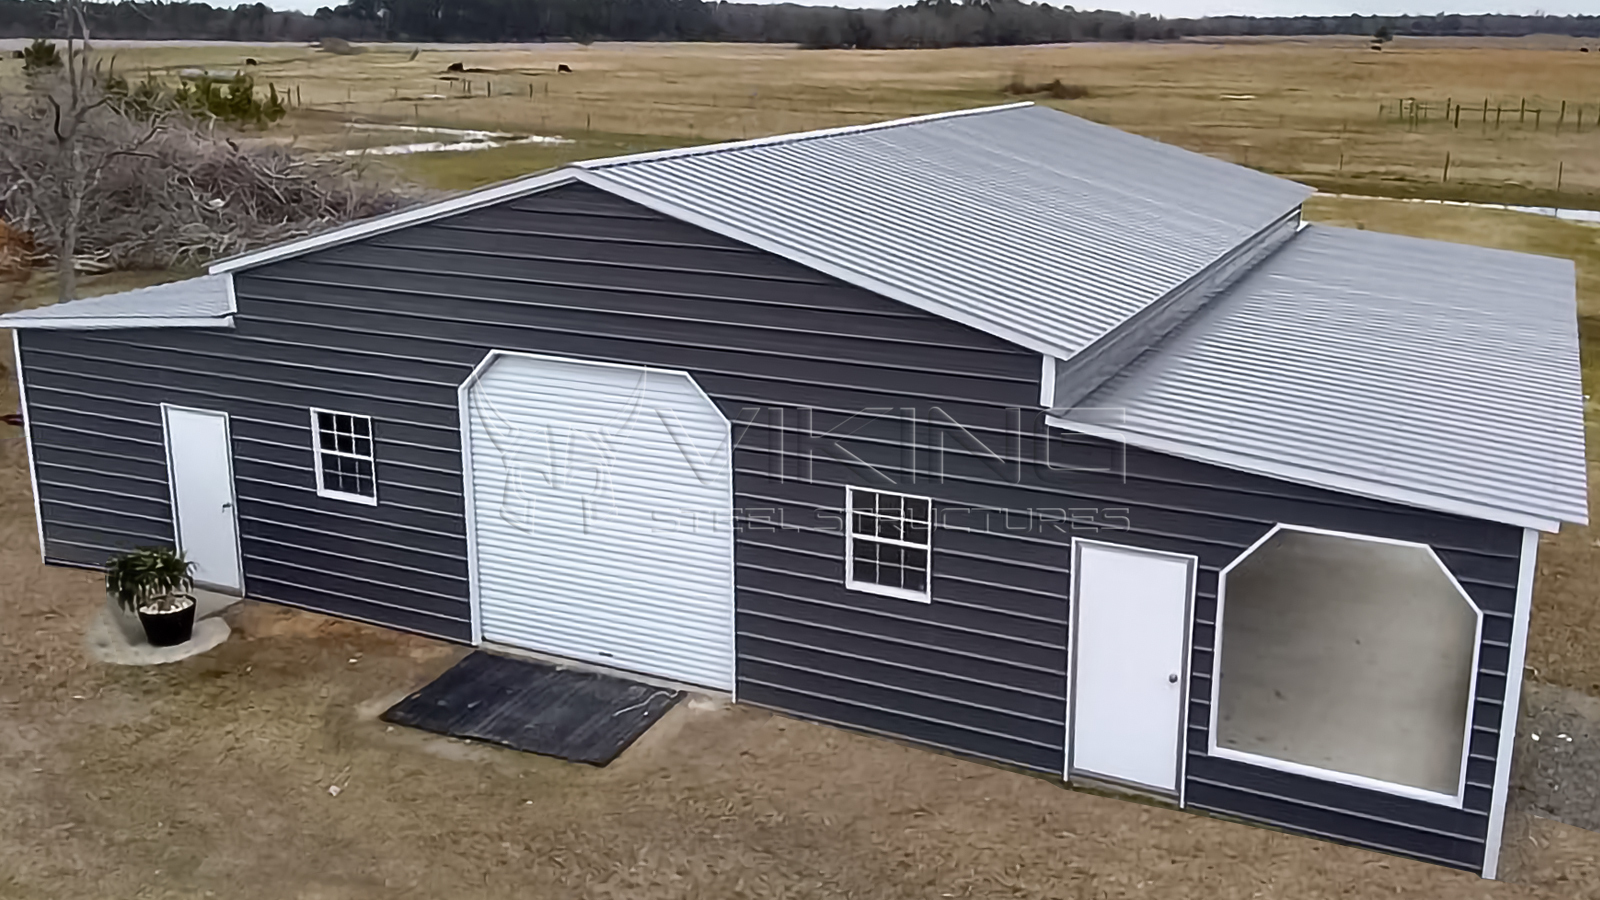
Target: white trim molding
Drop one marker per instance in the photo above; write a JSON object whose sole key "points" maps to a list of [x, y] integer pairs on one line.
{"points": [[317, 451], [1185, 665], [27, 440], [1047, 381], [471, 200], [233, 489], [1455, 800], [469, 507], [867, 587], [101, 323], [1509, 709], [1305, 475], [862, 279]]}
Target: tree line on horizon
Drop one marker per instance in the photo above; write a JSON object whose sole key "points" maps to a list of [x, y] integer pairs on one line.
{"points": [[922, 24]]}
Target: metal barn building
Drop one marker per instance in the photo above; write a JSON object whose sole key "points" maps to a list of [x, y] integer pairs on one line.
{"points": [[998, 431]]}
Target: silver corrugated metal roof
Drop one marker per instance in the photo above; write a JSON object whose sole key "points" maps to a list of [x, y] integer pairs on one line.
{"points": [[1042, 228], [1433, 374], [203, 301]]}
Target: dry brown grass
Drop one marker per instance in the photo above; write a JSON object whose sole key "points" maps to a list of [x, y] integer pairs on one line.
{"points": [[1295, 107]]}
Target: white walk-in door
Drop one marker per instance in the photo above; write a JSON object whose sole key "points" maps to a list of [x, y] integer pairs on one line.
{"points": [[601, 503], [200, 469], [1131, 613]]}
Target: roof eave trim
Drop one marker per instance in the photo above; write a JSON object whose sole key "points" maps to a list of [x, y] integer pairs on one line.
{"points": [[1314, 477], [102, 323], [472, 200], [600, 181]]}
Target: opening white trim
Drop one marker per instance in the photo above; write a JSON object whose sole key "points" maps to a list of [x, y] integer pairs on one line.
{"points": [[237, 562], [1185, 665], [27, 440], [1513, 700], [370, 457], [925, 547], [464, 424], [1452, 800]]}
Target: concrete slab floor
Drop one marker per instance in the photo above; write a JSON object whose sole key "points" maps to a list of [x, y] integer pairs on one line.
{"points": [[116, 637]]}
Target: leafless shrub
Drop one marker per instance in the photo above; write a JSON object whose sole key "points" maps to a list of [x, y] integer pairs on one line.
{"points": [[168, 192]]}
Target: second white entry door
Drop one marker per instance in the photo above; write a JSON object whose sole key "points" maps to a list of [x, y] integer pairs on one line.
{"points": [[1129, 646]]}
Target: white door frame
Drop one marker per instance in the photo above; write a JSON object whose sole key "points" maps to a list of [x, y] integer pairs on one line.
{"points": [[1185, 665], [233, 491], [464, 424]]}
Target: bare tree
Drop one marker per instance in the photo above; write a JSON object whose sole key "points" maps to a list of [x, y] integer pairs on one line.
{"points": [[89, 134]]}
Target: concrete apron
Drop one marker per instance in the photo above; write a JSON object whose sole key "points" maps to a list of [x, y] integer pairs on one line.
{"points": [[116, 637]]}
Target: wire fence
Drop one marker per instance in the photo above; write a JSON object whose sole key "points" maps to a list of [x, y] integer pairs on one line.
{"points": [[1492, 114]]}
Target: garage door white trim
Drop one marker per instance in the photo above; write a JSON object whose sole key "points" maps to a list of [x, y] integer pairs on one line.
{"points": [[463, 399]]}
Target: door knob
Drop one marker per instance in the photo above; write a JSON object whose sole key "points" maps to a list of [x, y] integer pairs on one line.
{"points": [[1173, 678]]}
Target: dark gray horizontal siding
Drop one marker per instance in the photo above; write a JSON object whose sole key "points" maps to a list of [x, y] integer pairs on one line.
{"points": [[389, 326], [94, 406]]}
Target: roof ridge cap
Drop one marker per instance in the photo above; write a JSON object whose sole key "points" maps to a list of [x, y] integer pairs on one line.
{"points": [[793, 137]]}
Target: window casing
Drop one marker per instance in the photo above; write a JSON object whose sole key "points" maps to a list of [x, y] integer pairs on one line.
{"points": [[341, 445], [889, 544], [1348, 658]]}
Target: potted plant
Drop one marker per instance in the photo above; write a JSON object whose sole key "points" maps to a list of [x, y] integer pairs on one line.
{"points": [[155, 583]]}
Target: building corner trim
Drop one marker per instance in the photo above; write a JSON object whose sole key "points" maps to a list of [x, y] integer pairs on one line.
{"points": [[1510, 708]]}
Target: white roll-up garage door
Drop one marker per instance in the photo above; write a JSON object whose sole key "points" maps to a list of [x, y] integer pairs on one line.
{"points": [[601, 500]]}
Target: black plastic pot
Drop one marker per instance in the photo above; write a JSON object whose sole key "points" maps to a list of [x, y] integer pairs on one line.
{"points": [[165, 629]]}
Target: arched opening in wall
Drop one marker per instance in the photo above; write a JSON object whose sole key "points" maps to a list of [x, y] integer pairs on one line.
{"points": [[1347, 658]]}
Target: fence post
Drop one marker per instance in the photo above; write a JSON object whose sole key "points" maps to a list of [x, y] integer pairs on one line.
{"points": [[1523, 115], [1561, 169], [1446, 179]]}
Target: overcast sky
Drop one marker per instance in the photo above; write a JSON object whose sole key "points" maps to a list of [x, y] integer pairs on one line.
{"points": [[1175, 8]]}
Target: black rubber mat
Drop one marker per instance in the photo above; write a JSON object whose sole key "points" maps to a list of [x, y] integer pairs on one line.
{"points": [[537, 707]]}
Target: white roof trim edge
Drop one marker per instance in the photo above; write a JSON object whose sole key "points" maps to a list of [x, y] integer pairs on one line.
{"points": [[88, 323], [478, 199], [1312, 477], [598, 179]]}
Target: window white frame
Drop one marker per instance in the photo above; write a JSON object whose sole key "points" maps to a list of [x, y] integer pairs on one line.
{"points": [[1455, 800], [850, 538], [317, 451]]}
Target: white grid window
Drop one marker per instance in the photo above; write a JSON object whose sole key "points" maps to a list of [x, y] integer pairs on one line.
{"points": [[342, 448], [888, 544]]}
